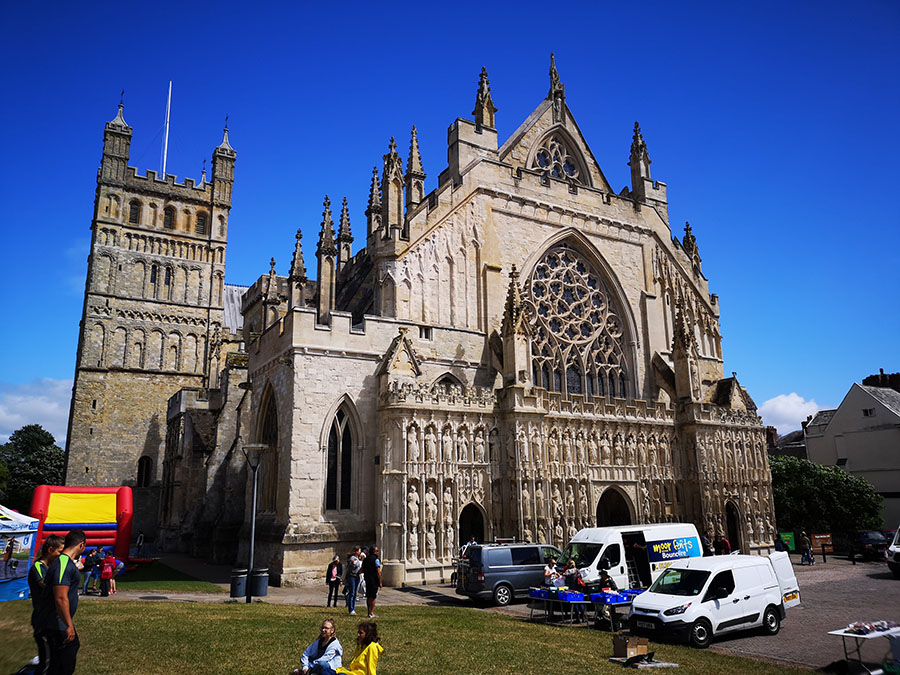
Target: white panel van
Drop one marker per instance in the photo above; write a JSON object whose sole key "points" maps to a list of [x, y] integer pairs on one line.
{"points": [[634, 555], [700, 598]]}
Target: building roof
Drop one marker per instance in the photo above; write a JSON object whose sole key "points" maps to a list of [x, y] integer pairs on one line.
{"points": [[792, 438], [234, 320], [889, 398], [823, 417]]}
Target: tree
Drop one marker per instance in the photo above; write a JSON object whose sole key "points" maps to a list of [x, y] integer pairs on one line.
{"points": [[823, 498], [31, 458]]}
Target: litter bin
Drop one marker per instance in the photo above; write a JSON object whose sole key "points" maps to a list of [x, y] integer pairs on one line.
{"points": [[238, 583], [259, 582]]}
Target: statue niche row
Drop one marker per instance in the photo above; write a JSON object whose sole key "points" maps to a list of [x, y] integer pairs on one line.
{"points": [[431, 524], [452, 450], [607, 448]]}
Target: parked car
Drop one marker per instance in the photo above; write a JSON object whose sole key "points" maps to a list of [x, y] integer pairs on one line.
{"points": [[868, 544], [699, 598], [502, 571], [892, 554]]}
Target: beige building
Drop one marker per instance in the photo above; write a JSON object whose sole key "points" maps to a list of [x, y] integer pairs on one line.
{"points": [[520, 353], [862, 436]]}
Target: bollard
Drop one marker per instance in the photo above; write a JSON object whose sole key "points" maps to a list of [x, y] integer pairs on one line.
{"points": [[824, 559], [852, 554]]}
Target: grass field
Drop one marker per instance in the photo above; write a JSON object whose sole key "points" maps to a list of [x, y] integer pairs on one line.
{"points": [[159, 577], [167, 637]]}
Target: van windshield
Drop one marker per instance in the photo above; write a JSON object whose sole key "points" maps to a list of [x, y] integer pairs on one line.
{"points": [[680, 582], [582, 552]]}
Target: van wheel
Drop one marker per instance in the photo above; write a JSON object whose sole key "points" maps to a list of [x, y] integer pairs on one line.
{"points": [[503, 595], [771, 621], [701, 634]]}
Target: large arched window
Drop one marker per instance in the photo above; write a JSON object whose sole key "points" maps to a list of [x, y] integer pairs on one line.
{"points": [[578, 332], [268, 435], [557, 157], [339, 476]]}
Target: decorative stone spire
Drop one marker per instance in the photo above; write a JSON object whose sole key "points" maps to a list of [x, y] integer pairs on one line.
{"points": [[484, 105], [557, 93], [684, 350], [683, 337], [326, 234], [639, 161], [392, 192], [223, 169], [515, 314], [373, 211], [298, 268], [118, 122], [225, 146], [516, 335], [344, 238], [272, 285], [689, 241], [116, 149], [415, 175]]}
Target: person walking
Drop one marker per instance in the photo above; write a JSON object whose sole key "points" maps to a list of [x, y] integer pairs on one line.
{"points": [[333, 576], [107, 572], [806, 548], [323, 656], [368, 649], [91, 569], [61, 602], [371, 570], [50, 550], [779, 543], [351, 580]]}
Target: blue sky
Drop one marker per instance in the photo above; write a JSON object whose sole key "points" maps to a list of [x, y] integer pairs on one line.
{"points": [[774, 125]]}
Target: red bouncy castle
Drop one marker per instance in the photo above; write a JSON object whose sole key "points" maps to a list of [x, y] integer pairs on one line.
{"points": [[103, 513]]}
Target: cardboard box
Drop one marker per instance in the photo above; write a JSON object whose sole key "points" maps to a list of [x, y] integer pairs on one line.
{"points": [[628, 645]]}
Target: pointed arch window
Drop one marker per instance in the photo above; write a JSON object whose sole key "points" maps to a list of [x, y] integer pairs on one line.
{"points": [[339, 469], [134, 212], [201, 223], [557, 157], [268, 435], [577, 332], [169, 218]]}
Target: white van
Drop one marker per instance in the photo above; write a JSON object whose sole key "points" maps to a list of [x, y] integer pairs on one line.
{"points": [[703, 597], [634, 555], [892, 554]]}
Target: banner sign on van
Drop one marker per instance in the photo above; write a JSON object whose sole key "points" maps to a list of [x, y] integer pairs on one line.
{"points": [[673, 549]]}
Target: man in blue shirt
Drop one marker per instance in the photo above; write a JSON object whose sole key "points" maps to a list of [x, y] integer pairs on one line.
{"points": [[62, 581], [323, 656]]}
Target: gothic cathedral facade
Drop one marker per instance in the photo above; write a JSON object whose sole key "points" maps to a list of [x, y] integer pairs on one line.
{"points": [[522, 352]]}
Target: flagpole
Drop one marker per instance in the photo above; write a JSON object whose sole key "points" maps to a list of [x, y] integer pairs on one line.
{"points": [[166, 142]]}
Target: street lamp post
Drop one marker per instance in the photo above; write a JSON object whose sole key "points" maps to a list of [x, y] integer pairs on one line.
{"points": [[254, 455]]}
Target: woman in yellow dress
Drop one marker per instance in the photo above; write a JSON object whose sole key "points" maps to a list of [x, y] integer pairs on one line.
{"points": [[368, 650]]}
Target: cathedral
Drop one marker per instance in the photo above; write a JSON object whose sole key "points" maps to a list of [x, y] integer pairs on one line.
{"points": [[520, 353]]}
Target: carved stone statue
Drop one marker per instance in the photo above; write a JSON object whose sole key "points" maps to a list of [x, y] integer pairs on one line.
{"points": [[570, 501], [462, 446], [618, 454], [431, 508], [593, 449], [582, 501], [558, 532], [605, 455], [540, 504], [449, 546], [430, 445], [523, 446], [629, 450], [412, 544], [479, 447], [447, 446], [580, 449], [557, 503], [412, 506], [566, 448], [526, 534], [553, 446], [536, 447], [573, 529], [526, 503], [448, 506], [412, 444], [430, 543]]}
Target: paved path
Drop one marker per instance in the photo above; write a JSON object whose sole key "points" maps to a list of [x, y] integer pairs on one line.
{"points": [[833, 595]]}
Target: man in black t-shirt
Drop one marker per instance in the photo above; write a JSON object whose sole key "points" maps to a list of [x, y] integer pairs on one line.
{"points": [[62, 581]]}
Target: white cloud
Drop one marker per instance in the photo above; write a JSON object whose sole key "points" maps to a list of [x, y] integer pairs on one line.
{"points": [[44, 401], [786, 411]]}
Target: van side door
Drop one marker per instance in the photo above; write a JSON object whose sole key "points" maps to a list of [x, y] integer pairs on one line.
{"points": [[612, 557], [528, 570], [722, 607], [750, 593]]}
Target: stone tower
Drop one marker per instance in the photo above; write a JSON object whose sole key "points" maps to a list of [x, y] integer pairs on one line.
{"points": [[153, 300]]}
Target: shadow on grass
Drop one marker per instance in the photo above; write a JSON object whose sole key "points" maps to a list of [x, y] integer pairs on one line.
{"points": [[159, 577]]}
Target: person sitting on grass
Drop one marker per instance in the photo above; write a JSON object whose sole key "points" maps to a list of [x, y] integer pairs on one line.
{"points": [[368, 650], [323, 656]]}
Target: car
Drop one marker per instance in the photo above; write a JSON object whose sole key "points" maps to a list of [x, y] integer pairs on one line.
{"points": [[502, 571], [699, 598], [867, 544]]}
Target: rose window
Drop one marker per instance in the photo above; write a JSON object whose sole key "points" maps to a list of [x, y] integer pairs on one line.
{"points": [[554, 159], [577, 333]]}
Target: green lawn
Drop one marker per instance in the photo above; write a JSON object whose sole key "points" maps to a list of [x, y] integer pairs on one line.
{"points": [[158, 577], [167, 637]]}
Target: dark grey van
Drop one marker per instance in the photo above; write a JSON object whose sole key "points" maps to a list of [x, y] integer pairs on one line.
{"points": [[501, 571]]}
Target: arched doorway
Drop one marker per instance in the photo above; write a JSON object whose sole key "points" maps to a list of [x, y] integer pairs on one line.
{"points": [[733, 523], [612, 509], [471, 524]]}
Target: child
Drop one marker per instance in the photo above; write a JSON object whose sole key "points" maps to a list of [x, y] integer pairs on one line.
{"points": [[368, 650], [107, 570]]}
